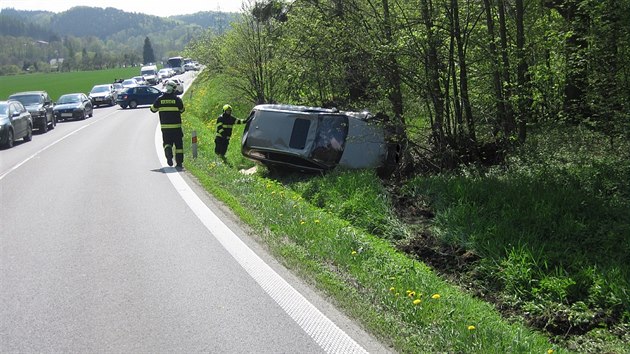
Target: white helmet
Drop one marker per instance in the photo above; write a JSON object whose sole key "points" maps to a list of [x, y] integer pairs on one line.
{"points": [[170, 86]]}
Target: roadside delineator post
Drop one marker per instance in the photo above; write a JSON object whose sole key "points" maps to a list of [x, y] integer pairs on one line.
{"points": [[194, 144]]}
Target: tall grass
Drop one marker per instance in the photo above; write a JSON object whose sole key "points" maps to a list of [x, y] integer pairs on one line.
{"points": [[553, 229], [59, 83]]}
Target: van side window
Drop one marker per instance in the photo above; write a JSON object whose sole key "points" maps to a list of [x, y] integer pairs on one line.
{"points": [[299, 133]]}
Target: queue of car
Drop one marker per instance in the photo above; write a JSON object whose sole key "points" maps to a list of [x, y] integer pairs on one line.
{"points": [[23, 112]]}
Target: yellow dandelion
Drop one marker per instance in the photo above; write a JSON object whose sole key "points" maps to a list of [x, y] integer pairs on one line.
{"points": [[302, 222], [392, 289], [273, 192], [408, 292], [417, 301], [471, 328], [353, 253], [317, 221], [435, 296], [397, 294], [411, 294], [549, 351]]}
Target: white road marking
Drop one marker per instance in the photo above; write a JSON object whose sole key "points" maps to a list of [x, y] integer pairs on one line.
{"points": [[319, 327]]}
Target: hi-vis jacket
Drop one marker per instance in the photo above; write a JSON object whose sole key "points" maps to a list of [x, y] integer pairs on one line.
{"points": [[171, 108], [225, 123]]}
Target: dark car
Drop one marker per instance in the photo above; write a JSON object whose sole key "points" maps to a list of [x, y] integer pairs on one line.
{"points": [[133, 97], [15, 123], [103, 94], [313, 139], [39, 104], [73, 106]]}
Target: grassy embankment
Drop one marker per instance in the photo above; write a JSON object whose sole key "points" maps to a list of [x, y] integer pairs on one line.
{"points": [[324, 227], [57, 84]]}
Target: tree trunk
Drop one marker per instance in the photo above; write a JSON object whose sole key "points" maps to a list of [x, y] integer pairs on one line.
{"points": [[496, 75], [509, 124], [435, 91], [463, 74], [522, 76]]}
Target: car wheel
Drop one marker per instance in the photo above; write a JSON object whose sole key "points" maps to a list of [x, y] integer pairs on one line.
{"points": [[53, 124], [29, 133], [83, 115], [91, 113], [9, 143], [123, 106], [44, 127], [133, 104]]}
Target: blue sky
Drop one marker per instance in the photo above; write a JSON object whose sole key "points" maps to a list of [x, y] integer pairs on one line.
{"points": [[151, 7]]}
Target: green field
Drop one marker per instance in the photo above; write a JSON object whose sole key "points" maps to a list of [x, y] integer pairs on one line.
{"points": [[58, 84]]}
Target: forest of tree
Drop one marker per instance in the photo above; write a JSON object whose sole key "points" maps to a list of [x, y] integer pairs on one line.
{"points": [[89, 38], [483, 72]]}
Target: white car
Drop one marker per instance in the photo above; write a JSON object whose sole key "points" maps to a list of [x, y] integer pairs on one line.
{"points": [[129, 83], [165, 73]]}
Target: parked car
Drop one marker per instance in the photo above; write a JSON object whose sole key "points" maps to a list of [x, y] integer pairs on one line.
{"points": [[103, 94], [39, 104], [165, 73], [73, 106], [313, 139], [139, 95], [129, 83], [140, 80], [118, 87], [15, 123]]}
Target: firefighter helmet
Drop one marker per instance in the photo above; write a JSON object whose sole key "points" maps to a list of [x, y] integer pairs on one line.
{"points": [[226, 107], [170, 86]]}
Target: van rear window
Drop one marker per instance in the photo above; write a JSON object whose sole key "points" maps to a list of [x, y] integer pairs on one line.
{"points": [[299, 133]]}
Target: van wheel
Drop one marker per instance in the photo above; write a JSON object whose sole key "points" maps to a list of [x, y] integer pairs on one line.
{"points": [[133, 104]]}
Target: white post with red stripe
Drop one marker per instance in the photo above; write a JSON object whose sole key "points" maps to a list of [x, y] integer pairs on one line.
{"points": [[194, 144]]}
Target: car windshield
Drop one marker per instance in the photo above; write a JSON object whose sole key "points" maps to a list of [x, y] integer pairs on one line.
{"points": [[65, 99], [129, 83], [28, 100], [98, 89], [331, 137]]}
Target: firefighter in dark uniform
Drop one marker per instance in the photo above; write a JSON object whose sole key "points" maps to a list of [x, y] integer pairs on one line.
{"points": [[171, 108], [225, 123]]}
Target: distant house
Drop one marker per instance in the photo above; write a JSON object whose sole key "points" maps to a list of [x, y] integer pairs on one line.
{"points": [[56, 63]]}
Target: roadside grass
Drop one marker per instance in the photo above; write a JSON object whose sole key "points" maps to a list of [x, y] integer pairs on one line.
{"points": [[59, 83], [331, 244]]}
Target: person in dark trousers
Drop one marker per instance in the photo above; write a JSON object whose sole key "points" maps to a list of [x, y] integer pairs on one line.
{"points": [[171, 108], [225, 123]]}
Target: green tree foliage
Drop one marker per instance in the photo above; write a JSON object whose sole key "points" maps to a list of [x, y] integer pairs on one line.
{"points": [[477, 74], [147, 53]]}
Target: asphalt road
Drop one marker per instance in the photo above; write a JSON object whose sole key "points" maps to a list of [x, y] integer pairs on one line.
{"points": [[103, 248]]}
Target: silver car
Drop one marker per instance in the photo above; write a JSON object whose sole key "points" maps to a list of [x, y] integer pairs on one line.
{"points": [[313, 139]]}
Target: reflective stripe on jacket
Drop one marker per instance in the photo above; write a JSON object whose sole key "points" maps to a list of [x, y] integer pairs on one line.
{"points": [[170, 107]]}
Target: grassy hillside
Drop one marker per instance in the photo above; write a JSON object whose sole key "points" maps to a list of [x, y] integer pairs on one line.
{"points": [[58, 84], [541, 241]]}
